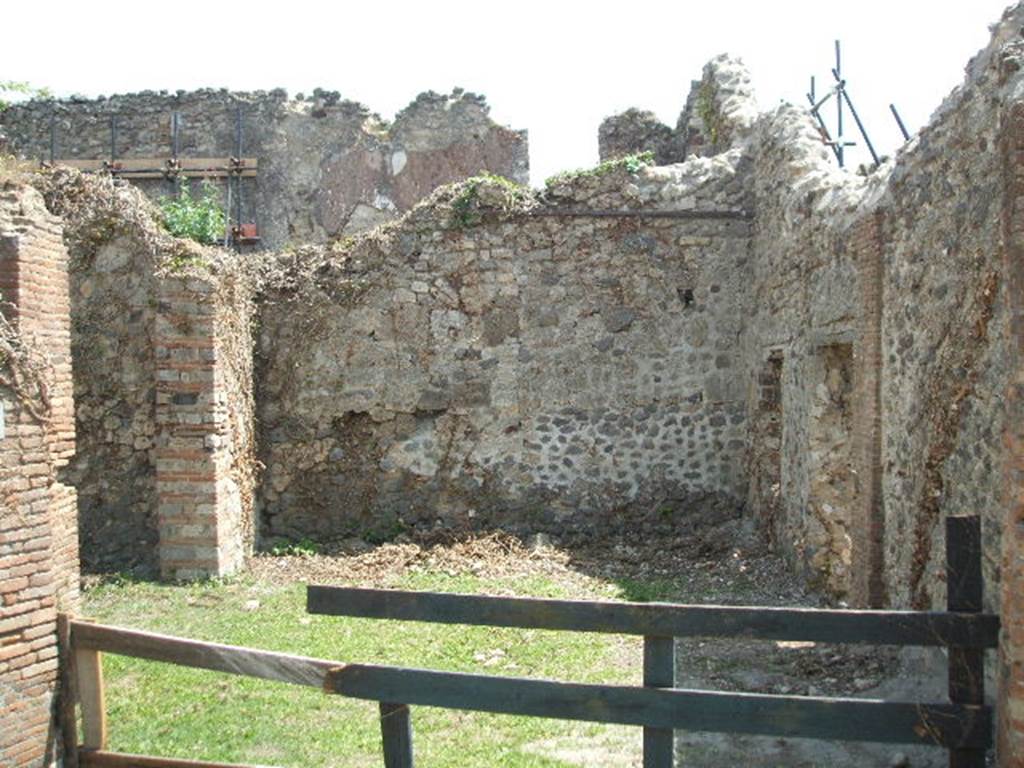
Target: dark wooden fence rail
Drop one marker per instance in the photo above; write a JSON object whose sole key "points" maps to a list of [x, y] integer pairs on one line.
{"points": [[963, 725]]}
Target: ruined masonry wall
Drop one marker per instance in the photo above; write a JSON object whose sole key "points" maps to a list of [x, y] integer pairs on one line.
{"points": [[545, 373], [803, 305], [1010, 713], [162, 350], [38, 532], [327, 167], [113, 314], [945, 361], [904, 269]]}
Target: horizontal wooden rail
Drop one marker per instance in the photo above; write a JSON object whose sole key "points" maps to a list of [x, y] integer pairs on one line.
{"points": [[794, 716], [268, 665], [975, 630], [98, 758]]}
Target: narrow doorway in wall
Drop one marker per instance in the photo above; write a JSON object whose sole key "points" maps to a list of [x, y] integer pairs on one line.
{"points": [[766, 444], [833, 487]]}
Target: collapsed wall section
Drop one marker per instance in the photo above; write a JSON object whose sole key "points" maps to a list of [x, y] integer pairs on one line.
{"points": [[556, 369], [38, 530], [327, 167]]}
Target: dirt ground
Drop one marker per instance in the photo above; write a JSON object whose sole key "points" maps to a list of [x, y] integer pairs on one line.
{"points": [[724, 564]]}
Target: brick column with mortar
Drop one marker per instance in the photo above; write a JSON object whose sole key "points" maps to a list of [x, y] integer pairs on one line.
{"points": [[201, 516], [39, 573]]}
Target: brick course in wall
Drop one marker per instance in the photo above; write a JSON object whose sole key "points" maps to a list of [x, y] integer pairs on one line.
{"points": [[203, 498], [38, 516]]}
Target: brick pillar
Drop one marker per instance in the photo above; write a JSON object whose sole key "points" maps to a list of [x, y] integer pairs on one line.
{"points": [[867, 585], [38, 513], [201, 516], [1010, 722]]}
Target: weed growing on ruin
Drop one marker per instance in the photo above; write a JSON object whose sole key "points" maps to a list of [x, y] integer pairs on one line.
{"points": [[14, 169], [301, 548], [630, 163], [486, 192], [708, 111], [9, 87], [198, 218]]}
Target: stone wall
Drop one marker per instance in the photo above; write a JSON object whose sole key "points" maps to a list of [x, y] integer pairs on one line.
{"points": [[562, 362], [720, 112], [326, 167], [162, 351], [1010, 716], [38, 533], [636, 131], [802, 333], [903, 267]]}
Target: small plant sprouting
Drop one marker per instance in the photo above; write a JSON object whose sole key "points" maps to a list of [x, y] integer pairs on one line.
{"points": [[22, 89], [469, 204], [198, 218], [629, 163], [301, 548]]}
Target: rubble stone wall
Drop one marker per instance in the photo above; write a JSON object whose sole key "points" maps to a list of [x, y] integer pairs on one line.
{"points": [[555, 369], [162, 349], [803, 322], [903, 266], [327, 167], [38, 530]]}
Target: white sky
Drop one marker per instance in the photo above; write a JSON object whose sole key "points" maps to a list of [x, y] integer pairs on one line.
{"points": [[556, 68]]}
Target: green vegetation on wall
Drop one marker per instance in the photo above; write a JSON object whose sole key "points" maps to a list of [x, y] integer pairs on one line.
{"points": [[8, 87], [198, 218]]}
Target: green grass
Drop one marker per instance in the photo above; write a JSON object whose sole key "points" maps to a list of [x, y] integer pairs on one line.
{"points": [[177, 712]]}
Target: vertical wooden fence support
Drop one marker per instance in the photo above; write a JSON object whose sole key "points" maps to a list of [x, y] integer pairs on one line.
{"points": [[964, 594], [67, 720], [396, 731], [89, 669], [659, 672]]}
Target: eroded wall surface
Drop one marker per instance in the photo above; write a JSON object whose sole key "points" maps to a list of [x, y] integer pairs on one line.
{"points": [[903, 269], [540, 370], [326, 167], [162, 350]]}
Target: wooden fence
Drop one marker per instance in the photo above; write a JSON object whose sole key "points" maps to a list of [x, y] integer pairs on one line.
{"points": [[963, 725]]}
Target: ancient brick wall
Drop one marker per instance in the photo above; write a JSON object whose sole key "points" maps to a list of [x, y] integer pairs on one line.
{"points": [[38, 531], [327, 167], [550, 369], [204, 443]]}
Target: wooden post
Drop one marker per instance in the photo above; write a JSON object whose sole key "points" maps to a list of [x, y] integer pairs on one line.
{"points": [[68, 695], [396, 731], [89, 671], [659, 672], [964, 592]]}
